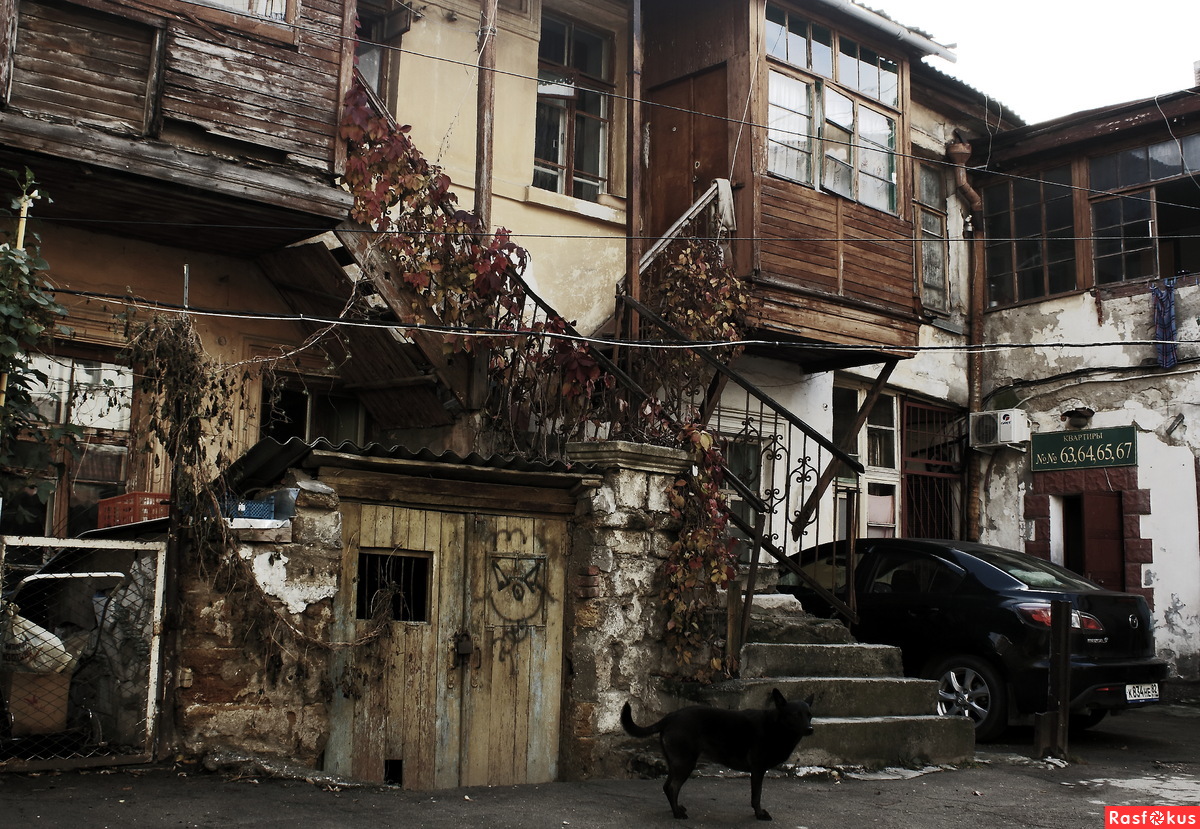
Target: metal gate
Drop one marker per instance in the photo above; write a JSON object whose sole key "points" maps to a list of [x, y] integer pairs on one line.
{"points": [[79, 651]]}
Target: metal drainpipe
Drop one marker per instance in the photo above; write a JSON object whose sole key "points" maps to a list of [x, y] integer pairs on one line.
{"points": [[958, 153]]}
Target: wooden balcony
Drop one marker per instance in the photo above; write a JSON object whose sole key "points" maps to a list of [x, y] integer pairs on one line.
{"points": [[131, 113], [832, 271]]}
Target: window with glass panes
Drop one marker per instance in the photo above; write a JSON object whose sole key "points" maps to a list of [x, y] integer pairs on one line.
{"points": [[877, 446], [833, 100], [94, 396], [931, 247], [1029, 222], [573, 110], [1145, 220]]}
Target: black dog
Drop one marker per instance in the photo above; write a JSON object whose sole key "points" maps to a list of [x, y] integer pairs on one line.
{"points": [[752, 741]]}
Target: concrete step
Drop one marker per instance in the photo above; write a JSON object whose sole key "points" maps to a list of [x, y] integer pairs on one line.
{"points": [[793, 660], [779, 617], [880, 742], [832, 696]]}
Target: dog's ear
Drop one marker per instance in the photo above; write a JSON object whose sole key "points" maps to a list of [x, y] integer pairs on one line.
{"points": [[777, 698], [810, 699]]}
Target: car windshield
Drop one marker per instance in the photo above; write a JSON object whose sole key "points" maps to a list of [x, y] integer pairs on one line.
{"points": [[1032, 572]]}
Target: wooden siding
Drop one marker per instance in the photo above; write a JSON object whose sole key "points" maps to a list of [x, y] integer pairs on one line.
{"points": [[269, 95], [83, 67], [227, 123], [833, 270]]}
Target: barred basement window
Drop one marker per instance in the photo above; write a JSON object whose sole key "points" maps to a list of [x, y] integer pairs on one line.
{"points": [[394, 584]]}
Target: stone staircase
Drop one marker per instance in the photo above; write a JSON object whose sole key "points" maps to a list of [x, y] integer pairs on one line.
{"points": [[866, 712]]}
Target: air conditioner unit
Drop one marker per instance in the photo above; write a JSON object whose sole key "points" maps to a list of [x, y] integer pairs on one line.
{"points": [[1003, 427]]}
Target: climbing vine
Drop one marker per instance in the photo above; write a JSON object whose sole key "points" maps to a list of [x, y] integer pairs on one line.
{"points": [[30, 443], [461, 276], [187, 418], [700, 297], [701, 560]]}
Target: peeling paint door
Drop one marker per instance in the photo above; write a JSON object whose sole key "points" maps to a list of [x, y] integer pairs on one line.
{"points": [[463, 686], [511, 702]]}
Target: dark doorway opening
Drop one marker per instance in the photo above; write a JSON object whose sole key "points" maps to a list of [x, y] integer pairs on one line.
{"points": [[1093, 537]]}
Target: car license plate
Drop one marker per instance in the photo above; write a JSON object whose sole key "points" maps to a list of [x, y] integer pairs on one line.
{"points": [[1147, 692]]}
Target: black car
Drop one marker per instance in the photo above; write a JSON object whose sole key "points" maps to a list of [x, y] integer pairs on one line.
{"points": [[976, 618]]}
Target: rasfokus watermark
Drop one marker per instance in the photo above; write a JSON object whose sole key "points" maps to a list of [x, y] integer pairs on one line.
{"points": [[1151, 816]]}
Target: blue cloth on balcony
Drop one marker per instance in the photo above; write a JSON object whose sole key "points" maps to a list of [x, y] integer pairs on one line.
{"points": [[1164, 324]]}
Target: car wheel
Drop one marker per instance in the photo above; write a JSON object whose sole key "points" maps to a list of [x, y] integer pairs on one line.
{"points": [[1082, 722], [970, 687]]}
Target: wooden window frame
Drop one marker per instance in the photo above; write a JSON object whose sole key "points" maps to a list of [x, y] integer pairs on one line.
{"points": [[212, 12], [930, 228], [1009, 254], [854, 153], [565, 167]]}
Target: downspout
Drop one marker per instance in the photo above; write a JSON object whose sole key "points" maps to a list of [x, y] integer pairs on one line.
{"points": [[958, 153]]}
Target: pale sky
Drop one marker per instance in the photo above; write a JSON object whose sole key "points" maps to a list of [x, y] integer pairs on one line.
{"points": [[1046, 58]]}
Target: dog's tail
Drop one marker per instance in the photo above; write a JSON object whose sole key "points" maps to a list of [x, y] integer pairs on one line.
{"points": [[633, 728]]}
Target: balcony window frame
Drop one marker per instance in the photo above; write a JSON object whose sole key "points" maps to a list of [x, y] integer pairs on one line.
{"points": [[279, 30], [843, 98], [1138, 193]]}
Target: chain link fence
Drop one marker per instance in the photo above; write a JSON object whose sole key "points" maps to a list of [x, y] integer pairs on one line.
{"points": [[79, 651]]}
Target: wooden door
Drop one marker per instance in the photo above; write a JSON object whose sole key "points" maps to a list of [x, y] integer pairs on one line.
{"points": [[464, 686], [511, 702], [689, 144], [1103, 531]]}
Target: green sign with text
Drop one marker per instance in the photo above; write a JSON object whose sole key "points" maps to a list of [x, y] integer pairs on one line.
{"points": [[1084, 449]]}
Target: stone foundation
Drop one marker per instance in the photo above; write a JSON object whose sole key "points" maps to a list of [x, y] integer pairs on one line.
{"points": [[614, 618]]}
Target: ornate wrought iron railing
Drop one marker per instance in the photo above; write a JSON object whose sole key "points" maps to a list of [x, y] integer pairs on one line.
{"points": [[778, 469]]}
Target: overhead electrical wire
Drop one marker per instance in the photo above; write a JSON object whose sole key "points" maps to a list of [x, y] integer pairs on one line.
{"points": [[658, 344], [728, 119]]}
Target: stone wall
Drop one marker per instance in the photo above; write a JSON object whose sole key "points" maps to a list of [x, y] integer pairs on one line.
{"points": [[254, 655], [614, 618], [253, 662]]}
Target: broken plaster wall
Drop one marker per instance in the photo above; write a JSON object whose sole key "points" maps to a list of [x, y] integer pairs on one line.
{"points": [[614, 616], [254, 665], [1125, 386]]}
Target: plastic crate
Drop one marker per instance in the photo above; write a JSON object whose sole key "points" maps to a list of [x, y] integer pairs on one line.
{"points": [[242, 508], [131, 508]]}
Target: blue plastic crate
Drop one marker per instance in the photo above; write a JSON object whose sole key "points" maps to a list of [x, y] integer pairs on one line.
{"points": [[244, 508]]}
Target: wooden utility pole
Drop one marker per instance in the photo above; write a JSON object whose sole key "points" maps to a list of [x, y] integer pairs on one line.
{"points": [[633, 179], [485, 126]]}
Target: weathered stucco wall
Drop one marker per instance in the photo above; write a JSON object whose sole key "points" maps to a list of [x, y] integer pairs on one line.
{"points": [[1125, 386], [253, 660], [578, 250]]}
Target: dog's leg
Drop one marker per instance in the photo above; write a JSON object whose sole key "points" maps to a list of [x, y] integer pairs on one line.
{"points": [[756, 781], [678, 771]]}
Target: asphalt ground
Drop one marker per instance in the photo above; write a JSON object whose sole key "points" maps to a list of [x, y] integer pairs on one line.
{"points": [[1147, 758]]}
